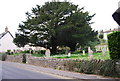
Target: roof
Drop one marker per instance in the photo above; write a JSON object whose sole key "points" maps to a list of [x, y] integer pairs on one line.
{"points": [[4, 33], [108, 31]]}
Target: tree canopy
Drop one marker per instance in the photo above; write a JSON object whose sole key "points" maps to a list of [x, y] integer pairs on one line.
{"points": [[56, 24]]}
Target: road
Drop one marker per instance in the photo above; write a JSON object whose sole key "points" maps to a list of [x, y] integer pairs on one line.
{"points": [[8, 71]]}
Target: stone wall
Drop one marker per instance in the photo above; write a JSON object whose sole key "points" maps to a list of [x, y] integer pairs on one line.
{"points": [[13, 58], [47, 62]]}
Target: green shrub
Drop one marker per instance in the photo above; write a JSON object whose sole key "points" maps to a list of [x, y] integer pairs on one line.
{"points": [[114, 45], [25, 51], [8, 52], [42, 52], [100, 67], [101, 36], [107, 68]]}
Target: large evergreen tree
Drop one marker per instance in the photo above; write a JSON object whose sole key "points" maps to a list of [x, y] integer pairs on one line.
{"points": [[57, 24]]}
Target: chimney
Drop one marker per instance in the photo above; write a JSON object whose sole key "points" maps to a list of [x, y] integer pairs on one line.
{"points": [[6, 29]]}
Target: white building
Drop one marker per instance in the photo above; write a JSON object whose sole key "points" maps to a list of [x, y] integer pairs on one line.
{"points": [[6, 41], [105, 33]]}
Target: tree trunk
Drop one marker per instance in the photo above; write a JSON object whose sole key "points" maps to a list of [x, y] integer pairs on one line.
{"points": [[54, 49], [72, 47], [53, 45]]}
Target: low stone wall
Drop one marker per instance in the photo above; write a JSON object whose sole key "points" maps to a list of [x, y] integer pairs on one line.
{"points": [[13, 58], [47, 62]]}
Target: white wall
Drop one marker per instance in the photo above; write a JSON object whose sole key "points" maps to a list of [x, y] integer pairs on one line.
{"points": [[6, 43], [105, 36]]}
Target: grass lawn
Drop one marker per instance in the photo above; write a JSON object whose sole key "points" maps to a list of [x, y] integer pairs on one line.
{"points": [[16, 54], [38, 55], [85, 57], [75, 56]]}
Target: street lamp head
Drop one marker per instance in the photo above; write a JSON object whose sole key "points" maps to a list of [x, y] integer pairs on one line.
{"points": [[116, 16]]}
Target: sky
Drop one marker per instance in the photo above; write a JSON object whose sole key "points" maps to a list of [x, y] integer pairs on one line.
{"points": [[12, 12]]}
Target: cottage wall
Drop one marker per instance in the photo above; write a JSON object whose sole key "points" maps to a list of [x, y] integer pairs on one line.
{"points": [[6, 43]]}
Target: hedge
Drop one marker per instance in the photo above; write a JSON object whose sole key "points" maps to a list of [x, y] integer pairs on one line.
{"points": [[99, 67], [114, 45]]}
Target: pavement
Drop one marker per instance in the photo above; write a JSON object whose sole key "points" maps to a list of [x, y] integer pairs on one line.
{"points": [[70, 75]]}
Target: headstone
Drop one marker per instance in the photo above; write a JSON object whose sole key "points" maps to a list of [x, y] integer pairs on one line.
{"points": [[83, 52], [34, 51], [47, 53], [104, 51], [69, 54], [89, 52]]}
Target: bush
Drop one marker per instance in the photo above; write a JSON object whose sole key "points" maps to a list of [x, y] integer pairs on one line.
{"points": [[100, 67], [114, 45], [101, 36], [26, 51], [107, 68], [8, 52], [42, 52]]}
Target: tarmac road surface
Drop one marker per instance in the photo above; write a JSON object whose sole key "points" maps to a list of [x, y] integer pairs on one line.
{"points": [[10, 71]]}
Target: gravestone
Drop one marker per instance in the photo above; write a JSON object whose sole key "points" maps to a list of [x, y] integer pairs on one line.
{"points": [[90, 53], [69, 54], [83, 52], [104, 51], [47, 53]]}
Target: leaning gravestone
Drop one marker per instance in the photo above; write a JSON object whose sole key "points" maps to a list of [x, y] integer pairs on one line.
{"points": [[90, 53], [47, 53], [104, 51]]}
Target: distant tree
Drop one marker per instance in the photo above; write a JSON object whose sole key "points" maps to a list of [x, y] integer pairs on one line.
{"points": [[57, 24], [101, 36]]}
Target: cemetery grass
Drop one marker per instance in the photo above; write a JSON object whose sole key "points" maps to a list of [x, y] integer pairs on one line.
{"points": [[38, 55], [75, 56], [15, 54], [84, 57]]}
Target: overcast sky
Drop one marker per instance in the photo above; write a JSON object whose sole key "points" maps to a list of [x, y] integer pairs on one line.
{"points": [[12, 12]]}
